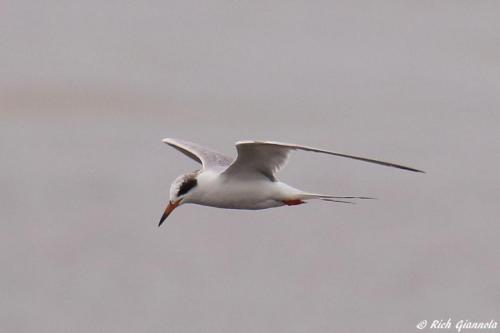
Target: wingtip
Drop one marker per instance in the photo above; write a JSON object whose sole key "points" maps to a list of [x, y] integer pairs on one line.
{"points": [[409, 169]]}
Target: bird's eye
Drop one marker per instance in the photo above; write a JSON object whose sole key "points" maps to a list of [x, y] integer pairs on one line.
{"points": [[187, 185]]}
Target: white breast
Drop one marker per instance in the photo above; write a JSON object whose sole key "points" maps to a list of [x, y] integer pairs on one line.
{"points": [[235, 193]]}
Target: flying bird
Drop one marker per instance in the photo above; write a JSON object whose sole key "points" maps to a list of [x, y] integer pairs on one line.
{"points": [[248, 181]]}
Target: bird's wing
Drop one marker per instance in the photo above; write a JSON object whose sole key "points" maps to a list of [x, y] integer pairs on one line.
{"points": [[207, 157], [267, 157]]}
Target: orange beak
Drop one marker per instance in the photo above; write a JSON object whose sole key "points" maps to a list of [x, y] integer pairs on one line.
{"points": [[170, 208]]}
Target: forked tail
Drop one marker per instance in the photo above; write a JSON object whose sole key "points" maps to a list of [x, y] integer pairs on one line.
{"points": [[333, 198]]}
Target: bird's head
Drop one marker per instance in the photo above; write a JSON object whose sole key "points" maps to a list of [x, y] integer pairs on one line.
{"points": [[180, 191]]}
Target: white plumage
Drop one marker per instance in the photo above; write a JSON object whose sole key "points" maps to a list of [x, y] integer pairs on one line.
{"points": [[247, 182]]}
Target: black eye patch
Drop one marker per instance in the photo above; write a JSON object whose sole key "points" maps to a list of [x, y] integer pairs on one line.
{"points": [[187, 185]]}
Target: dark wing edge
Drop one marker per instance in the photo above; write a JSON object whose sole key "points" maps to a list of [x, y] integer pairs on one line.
{"points": [[306, 148]]}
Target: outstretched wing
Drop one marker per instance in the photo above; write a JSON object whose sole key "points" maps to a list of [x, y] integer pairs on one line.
{"points": [[267, 157], [208, 158]]}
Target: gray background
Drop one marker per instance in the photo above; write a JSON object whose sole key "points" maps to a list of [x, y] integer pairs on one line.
{"points": [[89, 89]]}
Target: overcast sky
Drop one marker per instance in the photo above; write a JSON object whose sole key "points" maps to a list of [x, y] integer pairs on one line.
{"points": [[89, 89]]}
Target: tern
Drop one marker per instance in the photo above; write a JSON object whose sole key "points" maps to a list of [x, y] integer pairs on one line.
{"points": [[248, 181]]}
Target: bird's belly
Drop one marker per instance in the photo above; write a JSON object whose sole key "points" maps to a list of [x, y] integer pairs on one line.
{"points": [[240, 195]]}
